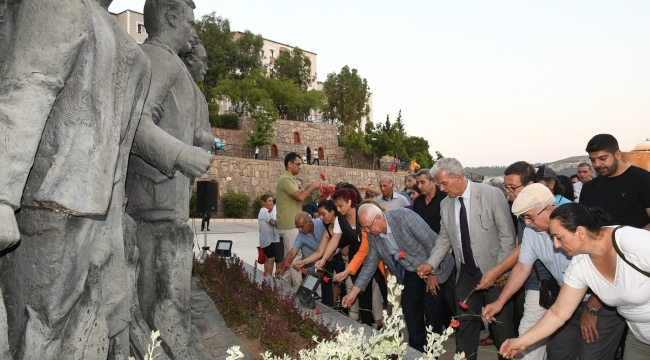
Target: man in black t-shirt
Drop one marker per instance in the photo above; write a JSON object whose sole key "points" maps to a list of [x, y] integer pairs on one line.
{"points": [[427, 205], [623, 191]]}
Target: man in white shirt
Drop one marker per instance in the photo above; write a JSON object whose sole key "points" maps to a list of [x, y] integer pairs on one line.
{"points": [[389, 197], [585, 173]]}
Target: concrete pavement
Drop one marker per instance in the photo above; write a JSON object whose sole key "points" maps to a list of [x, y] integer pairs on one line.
{"points": [[244, 233]]}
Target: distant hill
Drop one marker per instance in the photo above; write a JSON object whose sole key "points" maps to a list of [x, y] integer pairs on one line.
{"points": [[562, 167]]}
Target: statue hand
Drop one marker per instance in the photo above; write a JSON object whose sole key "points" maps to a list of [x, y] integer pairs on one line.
{"points": [[193, 161], [9, 234]]}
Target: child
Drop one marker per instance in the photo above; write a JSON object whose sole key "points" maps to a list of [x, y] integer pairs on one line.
{"points": [[269, 234]]}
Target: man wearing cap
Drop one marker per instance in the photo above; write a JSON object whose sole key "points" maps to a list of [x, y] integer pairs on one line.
{"points": [[547, 177], [535, 204]]}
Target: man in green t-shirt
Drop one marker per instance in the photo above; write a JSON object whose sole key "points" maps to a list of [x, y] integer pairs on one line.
{"points": [[289, 200]]}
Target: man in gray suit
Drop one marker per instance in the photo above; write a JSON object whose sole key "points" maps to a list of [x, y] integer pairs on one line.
{"points": [[403, 231], [476, 224]]}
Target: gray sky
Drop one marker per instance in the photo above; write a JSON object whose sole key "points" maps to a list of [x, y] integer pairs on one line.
{"points": [[487, 82]]}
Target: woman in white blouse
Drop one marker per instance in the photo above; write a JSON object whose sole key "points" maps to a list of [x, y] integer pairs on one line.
{"points": [[620, 281]]}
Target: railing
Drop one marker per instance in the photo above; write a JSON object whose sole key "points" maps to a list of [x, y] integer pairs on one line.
{"points": [[265, 154]]}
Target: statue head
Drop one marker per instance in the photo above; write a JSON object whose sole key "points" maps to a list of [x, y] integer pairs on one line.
{"points": [[196, 60], [105, 3], [171, 21]]}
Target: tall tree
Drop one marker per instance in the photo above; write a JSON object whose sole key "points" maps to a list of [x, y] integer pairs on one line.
{"points": [[214, 32], [248, 56], [294, 65], [244, 93], [398, 138], [346, 95]]}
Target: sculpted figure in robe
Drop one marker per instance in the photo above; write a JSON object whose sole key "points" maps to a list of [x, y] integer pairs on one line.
{"points": [[169, 152], [71, 94]]}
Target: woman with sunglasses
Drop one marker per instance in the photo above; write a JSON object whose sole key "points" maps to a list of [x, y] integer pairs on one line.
{"points": [[614, 262]]}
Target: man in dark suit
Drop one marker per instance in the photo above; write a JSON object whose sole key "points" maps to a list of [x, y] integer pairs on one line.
{"points": [[389, 234], [476, 224]]}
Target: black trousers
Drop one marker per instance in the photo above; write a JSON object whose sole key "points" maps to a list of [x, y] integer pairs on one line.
{"points": [[205, 220], [417, 304], [469, 331]]}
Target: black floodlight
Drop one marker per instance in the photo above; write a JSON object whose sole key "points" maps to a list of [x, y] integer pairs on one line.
{"points": [[223, 248], [307, 289]]}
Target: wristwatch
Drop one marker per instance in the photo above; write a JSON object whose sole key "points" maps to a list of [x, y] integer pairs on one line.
{"points": [[592, 311]]}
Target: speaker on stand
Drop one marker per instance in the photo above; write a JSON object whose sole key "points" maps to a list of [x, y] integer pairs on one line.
{"points": [[207, 201]]}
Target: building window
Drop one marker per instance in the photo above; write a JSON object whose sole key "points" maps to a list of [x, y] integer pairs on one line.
{"points": [[296, 138], [274, 151], [321, 153], [141, 29]]}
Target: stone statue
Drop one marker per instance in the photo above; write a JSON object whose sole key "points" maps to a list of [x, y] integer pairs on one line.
{"points": [[171, 136], [71, 95], [8, 11]]}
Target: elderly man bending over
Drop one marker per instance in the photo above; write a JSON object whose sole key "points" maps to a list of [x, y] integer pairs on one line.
{"points": [[403, 231]]}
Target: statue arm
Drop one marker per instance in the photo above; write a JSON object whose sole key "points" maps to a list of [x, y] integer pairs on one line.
{"points": [[151, 143], [36, 70]]}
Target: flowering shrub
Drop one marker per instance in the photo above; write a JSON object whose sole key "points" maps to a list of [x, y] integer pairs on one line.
{"points": [[383, 344]]}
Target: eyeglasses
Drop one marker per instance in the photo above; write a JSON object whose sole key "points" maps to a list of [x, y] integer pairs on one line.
{"points": [[523, 217], [367, 228], [513, 188], [297, 163]]}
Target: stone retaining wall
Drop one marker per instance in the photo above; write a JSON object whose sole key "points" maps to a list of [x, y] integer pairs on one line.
{"points": [[256, 177]]}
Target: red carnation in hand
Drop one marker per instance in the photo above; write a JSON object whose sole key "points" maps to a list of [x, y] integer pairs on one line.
{"points": [[265, 273], [303, 271], [323, 177], [402, 255], [317, 311], [454, 323], [326, 279], [463, 305], [286, 264]]}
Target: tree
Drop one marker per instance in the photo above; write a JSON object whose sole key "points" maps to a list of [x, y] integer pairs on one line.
{"points": [[353, 139], [214, 32], [294, 65], [248, 56], [346, 95], [244, 93], [263, 116], [398, 138]]}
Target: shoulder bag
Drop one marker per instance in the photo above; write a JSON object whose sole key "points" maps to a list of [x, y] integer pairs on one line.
{"points": [[618, 251], [548, 290]]}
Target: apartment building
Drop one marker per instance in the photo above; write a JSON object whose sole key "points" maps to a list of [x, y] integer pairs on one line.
{"points": [[133, 23]]}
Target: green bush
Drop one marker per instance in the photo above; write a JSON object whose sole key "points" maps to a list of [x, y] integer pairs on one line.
{"points": [[235, 204], [213, 110], [193, 212], [229, 121]]}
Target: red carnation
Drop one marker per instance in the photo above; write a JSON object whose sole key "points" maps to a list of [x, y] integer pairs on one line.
{"points": [[286, 264], [303, 271], [270, 211], [323, 177], [265, 273], [463, 305], [326, 279], [402, 255], [317, 311], [454, 323]]}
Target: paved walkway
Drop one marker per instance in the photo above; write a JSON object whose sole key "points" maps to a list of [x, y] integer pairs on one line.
{"points": [[244, 234]]}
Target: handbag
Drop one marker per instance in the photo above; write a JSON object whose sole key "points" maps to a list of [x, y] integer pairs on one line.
{"points": [[618, 251], [548, 290], [261, 257]]}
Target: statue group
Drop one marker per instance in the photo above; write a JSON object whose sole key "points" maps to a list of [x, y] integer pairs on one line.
{"points": [[100, 142]]}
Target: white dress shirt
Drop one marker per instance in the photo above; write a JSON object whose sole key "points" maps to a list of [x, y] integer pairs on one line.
{"points": [[467, 201]]}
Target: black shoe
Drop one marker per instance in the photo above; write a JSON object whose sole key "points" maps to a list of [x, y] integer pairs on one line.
{"points": [[201, 229], [208, 229]]}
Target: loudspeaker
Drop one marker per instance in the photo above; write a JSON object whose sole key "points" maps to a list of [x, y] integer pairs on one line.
{"points": [[207, 196]]}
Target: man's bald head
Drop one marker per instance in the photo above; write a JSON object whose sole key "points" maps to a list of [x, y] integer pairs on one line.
{"points": [[386, 185], [304, 223], [372, 219]]}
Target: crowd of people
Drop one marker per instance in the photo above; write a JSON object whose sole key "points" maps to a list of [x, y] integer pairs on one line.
{"points": [[554, 266]]}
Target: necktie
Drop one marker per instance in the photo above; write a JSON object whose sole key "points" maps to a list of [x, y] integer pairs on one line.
{"points": [[470, 266]]}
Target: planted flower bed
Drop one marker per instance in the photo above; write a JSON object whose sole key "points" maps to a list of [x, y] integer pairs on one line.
{"points": [[260, 309]]}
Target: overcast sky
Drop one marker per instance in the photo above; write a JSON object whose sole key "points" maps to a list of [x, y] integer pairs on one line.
{"points": [[487, 82]]}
